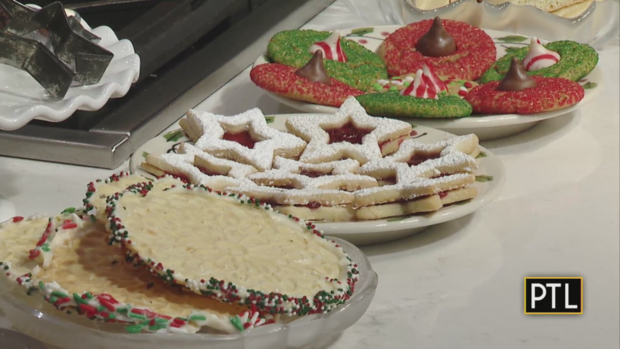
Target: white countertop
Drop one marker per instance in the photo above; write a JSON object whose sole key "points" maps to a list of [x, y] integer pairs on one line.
{"points": [[459, 284]]}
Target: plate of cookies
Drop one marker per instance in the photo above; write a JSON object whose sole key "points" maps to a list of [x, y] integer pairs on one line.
{"points": [[444, 74], [164, 263], [360, 178]]}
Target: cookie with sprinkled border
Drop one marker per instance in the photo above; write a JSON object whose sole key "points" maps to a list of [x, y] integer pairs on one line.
{"points": [[394, 104], [361, 68], [475, 51], [282, 80], [72, 255], [455, 87], [576, 61], [228, 260], [549, 94], [98, 191]]}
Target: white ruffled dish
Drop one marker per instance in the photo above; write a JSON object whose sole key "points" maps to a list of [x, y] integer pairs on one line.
{"points": [[22, 99], [7, 210], [596, 26], [490, 179], [486, 127], [36, 318]]}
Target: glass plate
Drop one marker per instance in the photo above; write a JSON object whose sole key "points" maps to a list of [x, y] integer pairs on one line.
{"points": [[36, 318]]}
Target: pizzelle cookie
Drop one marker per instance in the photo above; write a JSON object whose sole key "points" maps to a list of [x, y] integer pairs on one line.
{"points": [[249, 255], [245, 138], [349, 134], [419, 178], [559, 59], [454, 49], [71, 267]]}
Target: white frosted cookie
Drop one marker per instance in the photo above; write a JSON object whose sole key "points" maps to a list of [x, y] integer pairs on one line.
{"points": [[242, 251], [98, 191], [244, 138], [349, 134], [75, 270], [195, 166]]}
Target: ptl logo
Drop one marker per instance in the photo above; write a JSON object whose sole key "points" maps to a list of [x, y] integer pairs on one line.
{"points": [[553, 295]]}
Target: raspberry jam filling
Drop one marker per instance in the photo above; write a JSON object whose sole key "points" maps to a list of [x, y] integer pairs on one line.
{"points": [[347, 133], [443, 194], [314, 174], [419, 158], [313, 205], [207, 172], [180, 176], [244, 138]]}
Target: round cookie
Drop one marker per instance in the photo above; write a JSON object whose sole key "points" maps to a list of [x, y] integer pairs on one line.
{"points": [[398, 83], [362, 68], [576, 61], [549, 94], [475, 51], [282, 80], [393, 104]]}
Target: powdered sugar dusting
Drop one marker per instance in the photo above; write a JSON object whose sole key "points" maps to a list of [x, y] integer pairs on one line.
{"points": [[312, 129]]}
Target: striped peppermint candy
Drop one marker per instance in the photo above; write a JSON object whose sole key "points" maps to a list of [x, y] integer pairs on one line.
{"points": [[426, 84], [538, 57], [330, 47]]}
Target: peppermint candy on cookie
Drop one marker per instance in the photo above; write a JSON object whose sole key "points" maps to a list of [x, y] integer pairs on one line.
{"points": [[349, 134], [250, 255], [245, 138], [330, 47], [195, 166], [539, 57]]}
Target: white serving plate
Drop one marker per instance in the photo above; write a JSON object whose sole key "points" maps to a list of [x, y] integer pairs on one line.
{"points": [[596, 26], [486, 127], [36, 318], [7, 210], [22, 99], [376, 231]]}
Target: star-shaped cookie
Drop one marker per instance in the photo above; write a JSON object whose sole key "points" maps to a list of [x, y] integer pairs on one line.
{"points": [[245, 138], [349, 134]]}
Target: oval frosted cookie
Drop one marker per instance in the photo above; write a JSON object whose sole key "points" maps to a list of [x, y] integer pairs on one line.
{"points": [[356, 66], [232, 248], [416, 44], [70, 266], [575, 61]]}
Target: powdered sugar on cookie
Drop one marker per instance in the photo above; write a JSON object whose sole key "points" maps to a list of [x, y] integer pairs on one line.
{"points": [[349, 134]]}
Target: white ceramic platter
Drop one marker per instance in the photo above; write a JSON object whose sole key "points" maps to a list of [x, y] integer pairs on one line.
{"points": [[38, 319], [7, 210], [489, 181], [485, 127], [22, 99]]}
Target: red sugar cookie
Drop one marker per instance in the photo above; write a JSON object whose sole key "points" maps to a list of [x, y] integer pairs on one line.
{"points": [[475, 50], [548, 94], [281, 79]]}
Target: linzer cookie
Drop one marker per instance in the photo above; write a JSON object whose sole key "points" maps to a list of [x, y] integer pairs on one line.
{"points": [[345, 60], [559, 59], [195, 166], [71, 266], [349, 134], [519, 93], [231, 248], [309, 83], [243, 138], [454, 50], [424, 96], [417, 172]]}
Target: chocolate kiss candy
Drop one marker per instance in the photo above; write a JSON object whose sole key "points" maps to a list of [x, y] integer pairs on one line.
{"points": [[516, 79], [314, 70], [436, 42]]}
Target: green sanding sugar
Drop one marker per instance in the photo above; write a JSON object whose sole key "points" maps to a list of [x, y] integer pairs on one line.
{"points": [[362, 69], [393, 104]]}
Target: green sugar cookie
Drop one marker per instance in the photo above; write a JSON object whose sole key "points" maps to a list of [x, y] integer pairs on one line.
{"points": [[576, 61], [362, 68], [393, 104]]}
